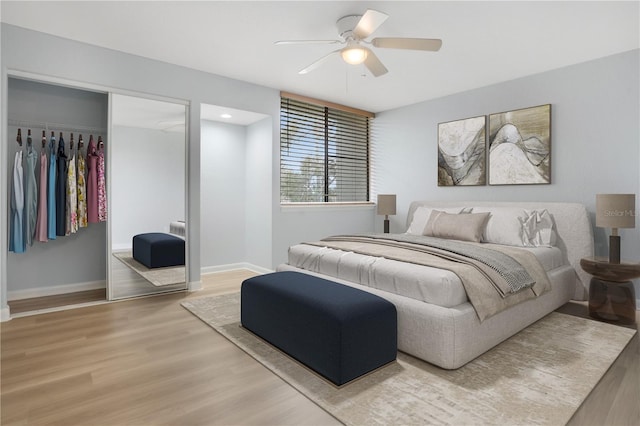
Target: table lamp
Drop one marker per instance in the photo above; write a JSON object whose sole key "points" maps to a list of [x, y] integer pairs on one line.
{"points": [[615, 211], [386, 207]]}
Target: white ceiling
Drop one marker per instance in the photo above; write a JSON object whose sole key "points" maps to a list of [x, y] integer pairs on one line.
{"points": [[483, 42]]}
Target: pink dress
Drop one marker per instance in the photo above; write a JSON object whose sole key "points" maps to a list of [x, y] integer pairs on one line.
{"points": [[92, 182], [102, 189], [41, 222]]}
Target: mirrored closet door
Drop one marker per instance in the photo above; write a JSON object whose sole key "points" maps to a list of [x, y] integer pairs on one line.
{"points": [[147, 191]]}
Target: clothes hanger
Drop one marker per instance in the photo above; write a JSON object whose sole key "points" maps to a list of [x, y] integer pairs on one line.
{"points": [[80, 142], [100, 143], [19, 137], [29, 140], [71, 142], [44, 139]]}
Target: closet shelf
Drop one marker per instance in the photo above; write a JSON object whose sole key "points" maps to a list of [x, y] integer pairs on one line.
{"points": [[55, 126]]}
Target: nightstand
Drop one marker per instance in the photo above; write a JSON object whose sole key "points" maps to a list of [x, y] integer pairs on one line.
{"points": [[611, 294]]}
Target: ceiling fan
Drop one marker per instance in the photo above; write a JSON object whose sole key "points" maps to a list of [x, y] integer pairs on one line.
{"points": [[353, 30]]}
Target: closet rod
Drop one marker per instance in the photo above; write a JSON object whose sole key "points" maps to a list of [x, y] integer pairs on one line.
{"points": [[55, 126]]}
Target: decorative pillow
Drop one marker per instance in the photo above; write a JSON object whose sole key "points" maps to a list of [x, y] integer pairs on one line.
{"points": [[465, 227], [504, 226], [538, 229], [421, 216]]}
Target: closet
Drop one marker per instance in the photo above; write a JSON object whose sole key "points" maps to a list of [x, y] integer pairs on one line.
{"points": [[68, 261], [142, 143]]}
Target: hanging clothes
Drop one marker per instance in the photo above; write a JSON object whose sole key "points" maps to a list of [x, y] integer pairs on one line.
{"points": [[16, 240], [102, 189], [30, 194], [41, 222], [92, 182], [82, 192], [61, 190], [51, 193], [72, 197]]}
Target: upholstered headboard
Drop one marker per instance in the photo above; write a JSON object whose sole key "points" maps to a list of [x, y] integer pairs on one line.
{"points": [[573, 228]]}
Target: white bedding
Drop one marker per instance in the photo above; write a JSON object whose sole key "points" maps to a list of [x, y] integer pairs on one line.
{"points": [[177, 228], [432, 285]]}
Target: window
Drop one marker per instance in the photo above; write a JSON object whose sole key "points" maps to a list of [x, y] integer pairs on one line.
{"points": [[324, 152]]}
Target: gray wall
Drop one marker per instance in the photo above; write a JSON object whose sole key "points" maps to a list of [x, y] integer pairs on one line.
{"points": [[595, 140]]}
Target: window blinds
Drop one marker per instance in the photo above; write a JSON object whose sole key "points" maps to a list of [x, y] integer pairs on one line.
{"points": [[324, 154]]}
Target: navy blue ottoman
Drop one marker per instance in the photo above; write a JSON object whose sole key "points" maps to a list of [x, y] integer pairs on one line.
{"points": [[158, 250], [336, 330]]}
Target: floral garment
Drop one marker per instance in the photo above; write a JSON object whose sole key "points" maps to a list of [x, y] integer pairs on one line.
{"points": [[82, 193], [102, 190], [72, 198]]}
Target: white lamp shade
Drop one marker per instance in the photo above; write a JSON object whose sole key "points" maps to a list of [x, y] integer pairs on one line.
{"points": [[616, 210], [387, 204]]}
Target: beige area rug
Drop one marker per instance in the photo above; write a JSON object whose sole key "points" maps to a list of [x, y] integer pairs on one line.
{"points": [[156, 276], [539, 376]]}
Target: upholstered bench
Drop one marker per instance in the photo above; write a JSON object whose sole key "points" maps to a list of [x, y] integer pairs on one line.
{"points": [[158, 250], [336, 330]]}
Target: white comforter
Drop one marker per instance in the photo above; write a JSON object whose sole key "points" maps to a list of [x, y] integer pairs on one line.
{"points": [[432, 285]]}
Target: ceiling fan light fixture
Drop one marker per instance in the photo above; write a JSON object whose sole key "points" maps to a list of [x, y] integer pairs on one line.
{"points": [[354, 55]]}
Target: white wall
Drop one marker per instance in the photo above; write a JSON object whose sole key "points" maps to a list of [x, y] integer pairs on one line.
{"points": [[222, 193], [595, 140], [148, 182], [258, 192]]}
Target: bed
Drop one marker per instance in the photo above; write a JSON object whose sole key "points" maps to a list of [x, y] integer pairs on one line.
{"points": [[178, 228], [437, 321]]}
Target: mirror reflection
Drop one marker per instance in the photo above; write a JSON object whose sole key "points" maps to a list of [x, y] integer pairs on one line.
{"points": [[147, 227]]}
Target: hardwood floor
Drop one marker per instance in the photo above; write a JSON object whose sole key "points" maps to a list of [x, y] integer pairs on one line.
{"points": [[140, 362], [149, 361], [48, 302]]}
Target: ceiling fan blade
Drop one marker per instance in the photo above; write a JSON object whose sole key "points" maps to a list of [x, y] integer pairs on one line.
{"points": [[369, 22], [317, 63], [308, 42], [430, 44], [374, 65]]}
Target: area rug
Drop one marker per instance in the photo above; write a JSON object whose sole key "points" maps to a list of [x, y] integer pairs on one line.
{"points": [[539, 376], [156, 276]]}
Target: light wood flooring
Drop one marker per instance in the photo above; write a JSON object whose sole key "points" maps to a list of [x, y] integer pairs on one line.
{"points": [[59, 300], [149, 361]]}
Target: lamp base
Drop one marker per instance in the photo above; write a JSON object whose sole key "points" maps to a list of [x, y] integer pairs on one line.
{"points": [[614, 249], [386, 227]]}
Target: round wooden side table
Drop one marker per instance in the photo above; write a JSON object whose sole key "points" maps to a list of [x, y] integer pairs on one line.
{"points": [[611, 293]]}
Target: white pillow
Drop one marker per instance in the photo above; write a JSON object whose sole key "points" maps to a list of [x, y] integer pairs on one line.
{"points": [[504, 225], [421, 217], [538, 229]]}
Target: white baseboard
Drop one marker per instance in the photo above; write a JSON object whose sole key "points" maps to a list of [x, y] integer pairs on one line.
{"points": [[5, 315], [194, 286], [28, 293], [234, 266]]}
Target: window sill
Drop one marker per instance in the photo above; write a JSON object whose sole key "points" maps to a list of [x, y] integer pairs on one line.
{"points": [[293, 207]]}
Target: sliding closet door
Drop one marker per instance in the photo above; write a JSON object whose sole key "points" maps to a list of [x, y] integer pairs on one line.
{"points": [[147, 190]]}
